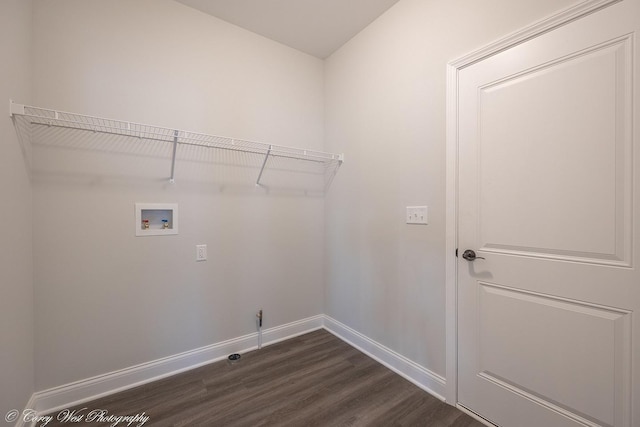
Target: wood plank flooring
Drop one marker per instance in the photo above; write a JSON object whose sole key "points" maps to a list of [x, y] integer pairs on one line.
{"points": [[315, 379]]}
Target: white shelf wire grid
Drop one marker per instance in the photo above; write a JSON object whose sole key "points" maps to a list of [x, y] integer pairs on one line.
{"points": [[36, 116]]}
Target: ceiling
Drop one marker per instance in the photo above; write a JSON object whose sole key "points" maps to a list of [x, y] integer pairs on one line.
{"points": [[317, 27]]}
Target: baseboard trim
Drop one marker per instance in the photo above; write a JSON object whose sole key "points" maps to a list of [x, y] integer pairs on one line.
{"points": [[20, 421], [430, 382], [76, 393]]}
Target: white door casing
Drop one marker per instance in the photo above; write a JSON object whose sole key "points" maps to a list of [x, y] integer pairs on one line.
{"points": [[547, 189]]}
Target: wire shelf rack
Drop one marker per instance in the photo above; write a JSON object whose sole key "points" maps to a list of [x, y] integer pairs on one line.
{"points": [[33, 118]]}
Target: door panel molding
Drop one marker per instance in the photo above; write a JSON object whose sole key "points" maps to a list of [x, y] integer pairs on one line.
{"points": [[571, 415], [591, 326], [613, 223]]}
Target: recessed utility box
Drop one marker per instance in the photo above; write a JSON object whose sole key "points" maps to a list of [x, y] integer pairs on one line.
{"points": [[156, 219]]}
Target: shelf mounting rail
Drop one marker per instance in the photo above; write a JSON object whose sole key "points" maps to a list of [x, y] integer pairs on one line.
{"points": [[46, 117]]}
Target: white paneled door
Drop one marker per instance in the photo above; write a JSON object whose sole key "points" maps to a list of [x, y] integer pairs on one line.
{"points": [[549, 196]]}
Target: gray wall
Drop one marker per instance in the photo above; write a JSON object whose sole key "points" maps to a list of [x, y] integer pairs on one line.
{"points": [[385, 108], [107, 300], [16, 280]]}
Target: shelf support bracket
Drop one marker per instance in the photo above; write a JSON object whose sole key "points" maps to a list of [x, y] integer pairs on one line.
{"points": [[173, 157], [15, 108], [264, 163]]}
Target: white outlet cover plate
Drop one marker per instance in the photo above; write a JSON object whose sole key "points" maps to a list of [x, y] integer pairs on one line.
{"points": [[201, 252], [417, 215]]}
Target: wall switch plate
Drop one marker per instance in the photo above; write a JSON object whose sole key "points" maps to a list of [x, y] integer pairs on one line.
{"points": [[417, 215], [201, 252]]}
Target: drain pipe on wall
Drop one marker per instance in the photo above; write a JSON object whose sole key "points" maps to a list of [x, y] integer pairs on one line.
{"points": [[259, 316], [235, 357]]}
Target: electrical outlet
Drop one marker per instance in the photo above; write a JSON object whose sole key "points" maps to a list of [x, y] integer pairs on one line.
{"points": [[201, 252], [417, 215]]}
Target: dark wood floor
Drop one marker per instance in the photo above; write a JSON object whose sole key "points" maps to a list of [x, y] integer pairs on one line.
{"points": [[311, 380]]}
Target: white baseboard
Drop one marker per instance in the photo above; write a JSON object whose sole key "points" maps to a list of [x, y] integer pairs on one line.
{"points": [[72, 394], [69, 395], [429, 381], [21, 422]]}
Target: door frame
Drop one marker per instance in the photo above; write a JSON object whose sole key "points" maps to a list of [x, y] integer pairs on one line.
{"points": [[534, 30]]}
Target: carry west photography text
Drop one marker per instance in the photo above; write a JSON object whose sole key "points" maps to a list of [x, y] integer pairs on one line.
{"points": [[84, 415]]}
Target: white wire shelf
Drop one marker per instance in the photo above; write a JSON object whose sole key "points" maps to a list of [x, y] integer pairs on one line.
{"points": [[38, 117]]}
